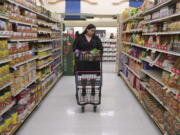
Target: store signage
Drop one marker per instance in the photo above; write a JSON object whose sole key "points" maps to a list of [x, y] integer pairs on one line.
{"points": [[57, 1], [135, 3]]}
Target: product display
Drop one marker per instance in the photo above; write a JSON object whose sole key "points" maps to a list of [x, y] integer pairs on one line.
{"points": [[109, 50], [149, 60], [28, 69]]}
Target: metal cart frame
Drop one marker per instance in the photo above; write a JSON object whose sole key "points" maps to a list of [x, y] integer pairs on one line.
{"points": [[88, 86]]}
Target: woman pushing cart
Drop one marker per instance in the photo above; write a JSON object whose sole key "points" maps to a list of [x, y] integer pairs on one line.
{"points": [[88, 68]]}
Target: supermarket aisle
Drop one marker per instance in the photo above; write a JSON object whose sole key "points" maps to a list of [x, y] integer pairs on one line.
{"points": [[109, 67], [119, 114]]}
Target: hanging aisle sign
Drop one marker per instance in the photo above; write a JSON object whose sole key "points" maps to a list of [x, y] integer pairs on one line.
{"points": [[57, 1], [136, 3], [73, 6]]}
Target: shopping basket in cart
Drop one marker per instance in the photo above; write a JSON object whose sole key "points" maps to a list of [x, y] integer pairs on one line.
{"points": [[88, 78]]}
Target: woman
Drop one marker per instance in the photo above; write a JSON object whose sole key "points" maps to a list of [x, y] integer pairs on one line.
{"points": [[88, 41]]}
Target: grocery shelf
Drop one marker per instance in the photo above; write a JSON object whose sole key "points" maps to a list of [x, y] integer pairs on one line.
{"points": [[22, 40], [6, 85], [162, 19], [45, 65], [157, 99], [57, 65], [46, 76], [15, 128], [156, 75], [7, 108], [56, 39], [37, 13], [153, 64], [31, 82], [136, 59], [57, 57], [45, 49], [44, 32], [51, 86], [4, 61], [22, 63], [39, 58], [4, 36], [151, 93], [133, 31], [56, 49], [133, 90], [109, 55], [153, 49], [44, 40], [46, 17], [20, 5], [133, 71], [3, 17], [133, 44], [157, 7], [129, 85], [23, 23], [162, 33], [137, 16], [160, 126], [109, 60], [25, 73]]}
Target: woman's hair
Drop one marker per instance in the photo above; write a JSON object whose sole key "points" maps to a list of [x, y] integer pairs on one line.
{"points": [[77, 33], [90, 26]]}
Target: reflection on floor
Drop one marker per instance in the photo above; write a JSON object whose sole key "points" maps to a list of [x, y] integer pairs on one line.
{"points": [[119, 113]]}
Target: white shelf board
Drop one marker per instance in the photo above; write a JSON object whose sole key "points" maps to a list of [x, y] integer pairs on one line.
{"points": [[162, 33], [157, 99], [4, 61], [23, 23], [45, 65], [136, 59], [19, 64], [153, 49], [133, 71], [161, 19], [132, 31], [22, 40], [31, 82], [45, 49], [40, 58], [5, 85], [7, 108], [158, 7], [156, 75]]}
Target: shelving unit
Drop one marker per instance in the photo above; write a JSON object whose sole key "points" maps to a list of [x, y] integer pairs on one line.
{"points": [[15, 128], [23, 23], [7, 108], [151, 73], [6, 85], [109, 52], [21, 63]]}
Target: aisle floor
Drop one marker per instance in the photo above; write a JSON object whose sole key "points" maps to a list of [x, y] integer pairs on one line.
{"points": [[119, 113]]}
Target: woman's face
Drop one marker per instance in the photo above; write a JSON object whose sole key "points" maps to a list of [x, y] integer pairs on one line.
{"points": [[91, 32]]}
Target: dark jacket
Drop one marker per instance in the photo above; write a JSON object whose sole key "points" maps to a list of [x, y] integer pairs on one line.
{"points": [[82, 44]]}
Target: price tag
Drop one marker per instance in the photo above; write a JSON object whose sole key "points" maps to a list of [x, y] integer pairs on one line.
{"points": [[153, 50]]}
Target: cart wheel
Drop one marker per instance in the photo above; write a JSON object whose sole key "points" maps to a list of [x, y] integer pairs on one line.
{"points": [[82, 108], [95, 108]]}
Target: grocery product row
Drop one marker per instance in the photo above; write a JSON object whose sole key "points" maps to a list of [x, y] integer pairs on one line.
{"points": [[109, 50], [149, 60], [31, 59]]}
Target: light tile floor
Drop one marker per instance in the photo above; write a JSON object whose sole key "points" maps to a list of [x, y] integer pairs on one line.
{"points": [[119, 113]]}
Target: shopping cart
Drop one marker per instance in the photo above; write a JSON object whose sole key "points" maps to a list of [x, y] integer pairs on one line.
{"points": [[88, 78]]}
